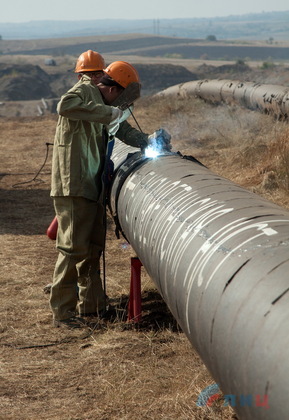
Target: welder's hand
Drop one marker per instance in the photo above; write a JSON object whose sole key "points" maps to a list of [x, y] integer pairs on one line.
{"points": [[120, 115], [161, 140]]}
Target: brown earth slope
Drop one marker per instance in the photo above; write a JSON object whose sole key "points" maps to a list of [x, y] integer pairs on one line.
{"points": [[31, 82]]}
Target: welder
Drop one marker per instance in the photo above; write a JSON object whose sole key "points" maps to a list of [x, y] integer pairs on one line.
{"points": [[90, 114]]}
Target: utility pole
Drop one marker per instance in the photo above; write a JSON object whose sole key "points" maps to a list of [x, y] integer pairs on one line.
{"points": [[156, 26]]}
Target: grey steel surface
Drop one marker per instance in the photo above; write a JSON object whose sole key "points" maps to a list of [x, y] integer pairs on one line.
{"points": [[219, 255], [262, 97]]}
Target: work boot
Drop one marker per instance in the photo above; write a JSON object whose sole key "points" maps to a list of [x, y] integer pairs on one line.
{"points": [[47, 288]]}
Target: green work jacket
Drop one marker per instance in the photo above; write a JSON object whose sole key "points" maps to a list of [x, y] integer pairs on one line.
{"points": [[79, 146]]}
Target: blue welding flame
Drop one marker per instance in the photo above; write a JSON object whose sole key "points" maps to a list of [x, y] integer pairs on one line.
{"points": [[151, 152]]}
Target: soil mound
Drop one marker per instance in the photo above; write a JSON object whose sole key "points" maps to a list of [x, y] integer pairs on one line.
{"points": [[31, 82], [24, 82], [155, 77], [235, 71]]}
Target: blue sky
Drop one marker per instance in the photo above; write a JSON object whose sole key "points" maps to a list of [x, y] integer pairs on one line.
{"points": [[31, 10]]}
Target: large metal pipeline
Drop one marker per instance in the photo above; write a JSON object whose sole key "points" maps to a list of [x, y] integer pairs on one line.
{"points": [[272, 99], [219, 256]]}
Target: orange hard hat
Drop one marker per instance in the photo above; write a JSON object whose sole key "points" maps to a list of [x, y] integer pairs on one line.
{"points": [[89, 61], [123, 73]]}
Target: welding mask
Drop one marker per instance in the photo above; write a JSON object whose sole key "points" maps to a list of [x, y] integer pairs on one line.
{"points": [[126, 76], [128, 96]]}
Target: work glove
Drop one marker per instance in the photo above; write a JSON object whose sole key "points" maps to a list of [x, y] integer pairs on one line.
{"points": [[118, 116], [160, 140]]}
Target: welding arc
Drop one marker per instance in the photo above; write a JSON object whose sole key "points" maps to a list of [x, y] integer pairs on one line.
{"points": [[135, 120]]}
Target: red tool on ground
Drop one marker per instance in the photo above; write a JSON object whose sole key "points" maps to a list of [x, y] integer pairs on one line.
{"points": [[52, 229]]}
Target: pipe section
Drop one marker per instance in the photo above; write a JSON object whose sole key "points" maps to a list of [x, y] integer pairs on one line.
{"points": [[219, 256], [272, 99]]}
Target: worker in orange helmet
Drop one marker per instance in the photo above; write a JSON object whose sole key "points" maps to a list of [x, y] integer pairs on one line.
{"points": [[90, 114], [90, 63]]}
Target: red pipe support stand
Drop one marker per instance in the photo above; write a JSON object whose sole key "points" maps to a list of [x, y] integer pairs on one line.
{"points": [[134, 304]]}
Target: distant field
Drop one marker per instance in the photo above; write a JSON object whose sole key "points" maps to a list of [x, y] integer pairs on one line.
{"points": [[150, 46]]}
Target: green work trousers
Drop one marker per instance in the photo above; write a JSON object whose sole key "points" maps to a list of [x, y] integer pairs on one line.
{"points": [[80, 241]]}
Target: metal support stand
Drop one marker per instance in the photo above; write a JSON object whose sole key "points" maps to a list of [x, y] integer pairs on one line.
{"points": [[134, 304]]}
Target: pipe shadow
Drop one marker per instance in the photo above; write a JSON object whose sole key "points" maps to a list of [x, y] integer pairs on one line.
{"points": [[155, 314]]}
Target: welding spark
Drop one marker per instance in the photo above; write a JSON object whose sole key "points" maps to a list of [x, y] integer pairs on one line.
{"points": [[151, 152]]}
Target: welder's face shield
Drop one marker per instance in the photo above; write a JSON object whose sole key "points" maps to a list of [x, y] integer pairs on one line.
{"points": [[128, 96]]}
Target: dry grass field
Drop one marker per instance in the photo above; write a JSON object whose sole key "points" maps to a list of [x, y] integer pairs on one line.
{"points": [[116, 370]]}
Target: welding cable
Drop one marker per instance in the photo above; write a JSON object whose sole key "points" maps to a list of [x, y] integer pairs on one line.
{"points": [[104, 264], [135, 120], [42, 166], [109, 141]]}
